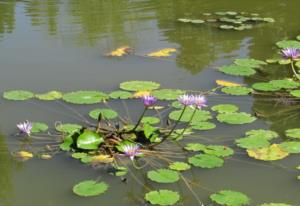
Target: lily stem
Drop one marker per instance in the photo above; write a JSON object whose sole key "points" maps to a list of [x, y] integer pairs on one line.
{"points": [[294, 71]]}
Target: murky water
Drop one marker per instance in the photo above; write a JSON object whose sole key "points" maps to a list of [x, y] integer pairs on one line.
{"points": [[59, 44]]}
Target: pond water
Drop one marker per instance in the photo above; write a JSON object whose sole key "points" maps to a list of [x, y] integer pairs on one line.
{"points": [[59, 45]]}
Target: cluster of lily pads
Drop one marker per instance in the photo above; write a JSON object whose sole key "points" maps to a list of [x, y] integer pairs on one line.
{"points": [[230, 20]]}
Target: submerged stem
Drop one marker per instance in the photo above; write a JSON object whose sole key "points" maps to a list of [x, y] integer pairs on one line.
{"points": [[140, 119], [192, 116]]}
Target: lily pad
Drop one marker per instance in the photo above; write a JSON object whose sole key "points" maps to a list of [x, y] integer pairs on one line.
{"points": [[200, 115], [90, 188], [52, 95], [230, 198], [262, 133], [285, 83], [197, 21], [284, 44], [236, 118], [184, 20], [206, 161], [252, 63], [218, 150], [203, 125], [237, 70], [120, 95], [293, 133], [195, 147], [162, 197], [225, 108], [163, 176], [85, 97], [39, 127], [167, 94], [224, 26], [106, 113], [139, 85], [290, 147], [68, 128], [295, 93], [179, 166], [265, 86], [66, 145], [150, 120], [89, 140], [18, 95], [271, 153], [79, 155], [252, 142], [237, 90]]}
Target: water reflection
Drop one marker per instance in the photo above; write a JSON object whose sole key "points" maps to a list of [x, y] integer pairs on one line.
{"points": [[7, 16]]}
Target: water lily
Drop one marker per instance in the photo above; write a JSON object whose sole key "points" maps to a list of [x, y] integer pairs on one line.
{"points": [[131, 150], [200, 101], [25, 127], [291, 53], [149, 100], [186, 100]]}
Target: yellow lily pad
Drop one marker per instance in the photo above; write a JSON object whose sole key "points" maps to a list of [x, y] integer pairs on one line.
{"points": [[227, 83], [162, 53], [271, 153], [102, 159], [119, 52]]}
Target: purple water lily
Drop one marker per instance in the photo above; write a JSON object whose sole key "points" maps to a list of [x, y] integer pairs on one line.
{"points": [[291, 53], [186, 100], [200, 101], [149, 100], [131, 150], [25, 127]]}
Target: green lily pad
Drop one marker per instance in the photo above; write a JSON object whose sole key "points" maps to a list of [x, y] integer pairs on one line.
{"points": [[18, 95], [150, 120], [236, 118], [224, 26], [237, 70], [66, 145], [120, 95], [265, 86], [106, 113], [90, 188], [89, 140], [163, 176], [52, 95], [195, 147], [295, 93], [68, 128], [218, 150], [269, 20], [252, 63], [275, 204], [203, 125], [270, 153], [252, 142], [230, 198], [167, 94], [79, 155], [284, 61], [293, 133], [225, 108], [284, 44], [85, 97], [197, 21], [179, 166], [206, 161], [39, 127], [184, 20], [139, 85], [162, 197], [262, 133], [285, 83], [290, 147], [200, 115], [237, 90]]}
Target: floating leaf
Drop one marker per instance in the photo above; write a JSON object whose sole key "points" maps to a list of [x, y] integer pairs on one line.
{"points": [[284, 44], [206, 161], [38, 127], [290, 147], [150, 120], [89, 140], [105, 159], [120, 52], [265, 86], [195, 147], [52, 95], [106, 113], [163, 176], [184, 20], [90, 188], [120, 95], [269, 20], [284, 61], [18, 95], [66, 145], [203, 125], [139, 85], [45, 156], [252, 63], [167, 94], [140, 94], [79, 155], [236, 118], [237, 70], [227, 83], [85, 97], [224, 26], [237, 90], [252, 142], [295, 93], [197, 21], [179, 166], [218, 150], [285, 83], [225, 108], [293, 133], [200, 115], [23, 155], [162, 53], [271, 153], [68, 128], [230, 198], [162, 197], [262, 133]]}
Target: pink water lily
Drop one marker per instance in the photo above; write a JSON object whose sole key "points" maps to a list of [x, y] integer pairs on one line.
{"points": [[25, 127], [291, 53], [131, 150], [149, 100]]}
